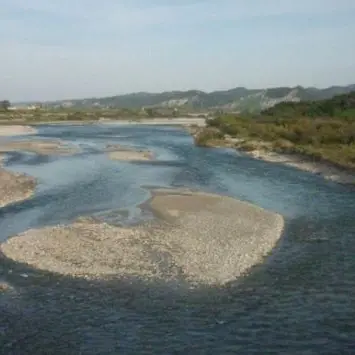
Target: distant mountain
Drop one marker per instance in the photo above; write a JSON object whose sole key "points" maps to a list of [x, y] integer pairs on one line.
{"points": [[237, 99]]}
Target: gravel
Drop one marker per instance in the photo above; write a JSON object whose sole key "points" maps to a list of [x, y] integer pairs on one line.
{"points": [[15, 130], [120, 152], [199, 238], [15, 187], [44, 147]]}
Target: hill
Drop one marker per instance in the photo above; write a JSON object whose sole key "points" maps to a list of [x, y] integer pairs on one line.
{"points": [[237, 99]]}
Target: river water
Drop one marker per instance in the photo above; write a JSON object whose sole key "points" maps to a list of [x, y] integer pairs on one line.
{"points": [[300, 301]]}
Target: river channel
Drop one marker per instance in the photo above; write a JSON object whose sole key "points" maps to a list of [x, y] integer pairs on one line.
{"points": [[301, 300]]}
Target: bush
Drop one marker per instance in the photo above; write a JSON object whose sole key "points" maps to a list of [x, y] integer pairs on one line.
{"points": [[207, 135], [321, 129]]}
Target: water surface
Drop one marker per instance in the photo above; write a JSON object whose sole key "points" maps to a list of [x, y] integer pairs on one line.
{"points": [[300, 301]]}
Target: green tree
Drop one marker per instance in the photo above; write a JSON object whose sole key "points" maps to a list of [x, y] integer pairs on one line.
{"points": [[150, 112]]}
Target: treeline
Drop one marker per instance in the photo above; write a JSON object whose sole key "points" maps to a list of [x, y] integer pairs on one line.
{"points": [[340, 106], [322, 130], [74, 114]]}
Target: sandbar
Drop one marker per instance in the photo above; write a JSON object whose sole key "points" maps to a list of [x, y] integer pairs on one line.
{"points": [[14, 187], [119, 152], [16, 130], [44, 147]]}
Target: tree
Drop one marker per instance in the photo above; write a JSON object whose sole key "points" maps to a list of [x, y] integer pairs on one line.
{"points": [[4, 105], [175, 112]]}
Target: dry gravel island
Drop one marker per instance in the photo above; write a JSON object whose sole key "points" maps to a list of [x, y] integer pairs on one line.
{"points": [[119, 152], [14, 187], [16, 130], [44, 147], [202, 238]]}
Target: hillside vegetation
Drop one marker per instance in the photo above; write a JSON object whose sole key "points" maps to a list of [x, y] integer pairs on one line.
{"points": [[238, 99], [79, 114], [322, 130]]}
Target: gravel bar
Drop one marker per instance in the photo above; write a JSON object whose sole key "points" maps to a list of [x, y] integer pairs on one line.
{"points": [[15, 187], [200, 238]]}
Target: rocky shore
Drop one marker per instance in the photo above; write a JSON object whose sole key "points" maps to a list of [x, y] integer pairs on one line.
{"points": [[200, 238]]}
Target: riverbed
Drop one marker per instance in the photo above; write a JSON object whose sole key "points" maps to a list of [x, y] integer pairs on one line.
{"points": [[300, 300]]}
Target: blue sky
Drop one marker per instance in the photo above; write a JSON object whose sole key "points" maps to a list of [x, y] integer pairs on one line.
{"points": [[56, 49]]}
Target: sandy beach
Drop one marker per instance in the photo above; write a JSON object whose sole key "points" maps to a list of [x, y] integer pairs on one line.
{"points": [[16, 130], [14, 187], [201, 238]]}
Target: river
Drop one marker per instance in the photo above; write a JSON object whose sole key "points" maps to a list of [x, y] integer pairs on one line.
{"points": [[301, 300]]}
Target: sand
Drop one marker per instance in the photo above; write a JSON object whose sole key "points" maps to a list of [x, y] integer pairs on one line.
{"points": [[16, 130], [119, 152], [44, 147], [199, 238], [14, 187]]}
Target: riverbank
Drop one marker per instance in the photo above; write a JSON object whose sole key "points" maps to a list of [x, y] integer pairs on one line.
{"points": [[14, 187], [326, 170], [211, 137], [200, 238]]}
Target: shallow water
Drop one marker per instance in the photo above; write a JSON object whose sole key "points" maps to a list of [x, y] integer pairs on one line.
{"points": [[300, 301]]}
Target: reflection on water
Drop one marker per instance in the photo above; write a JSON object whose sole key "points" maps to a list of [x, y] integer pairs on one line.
{"points": [[301, 301]]}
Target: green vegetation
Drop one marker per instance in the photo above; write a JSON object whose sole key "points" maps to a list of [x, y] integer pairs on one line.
{"points": [[239, 99], [4, 105], [76, 114], [208, 137], [321, 130]]}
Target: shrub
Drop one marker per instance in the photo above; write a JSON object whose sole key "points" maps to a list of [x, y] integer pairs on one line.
{"points": [[206, 135]]}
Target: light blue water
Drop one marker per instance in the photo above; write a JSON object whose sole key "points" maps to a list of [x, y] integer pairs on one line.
{"points": [[301, 301]]}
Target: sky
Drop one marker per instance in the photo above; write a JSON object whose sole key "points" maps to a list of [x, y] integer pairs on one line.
{"points": [[62, 49]]}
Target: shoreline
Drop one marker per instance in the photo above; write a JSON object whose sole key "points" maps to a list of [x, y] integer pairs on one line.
{"points": [[328, 171], [186, 244]]}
